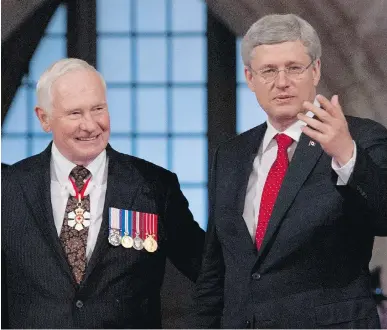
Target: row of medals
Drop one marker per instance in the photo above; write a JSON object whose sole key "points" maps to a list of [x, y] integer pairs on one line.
{"points": [[128, 242]]}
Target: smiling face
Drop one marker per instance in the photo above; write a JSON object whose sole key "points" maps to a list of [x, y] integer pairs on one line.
{"points": [[282, 98], [79, 117]]}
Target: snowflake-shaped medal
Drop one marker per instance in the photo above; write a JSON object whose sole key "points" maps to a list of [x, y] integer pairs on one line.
{"points": [[79, 219]]}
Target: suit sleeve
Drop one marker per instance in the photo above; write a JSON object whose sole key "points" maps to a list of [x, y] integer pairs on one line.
{"points": [[369, 177], [208, 295], [185, 237]]}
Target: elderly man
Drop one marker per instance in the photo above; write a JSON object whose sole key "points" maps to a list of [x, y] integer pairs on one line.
{"points": [[86, 230], [295, 202]]}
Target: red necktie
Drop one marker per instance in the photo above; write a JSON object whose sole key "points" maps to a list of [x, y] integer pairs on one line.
{"points": [[272, 186]]}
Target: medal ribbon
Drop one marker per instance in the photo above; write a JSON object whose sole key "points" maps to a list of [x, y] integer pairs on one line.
{"points": [[114, 218], [136, 228], [126, 222], [142, 225], [154, 225], [79, 194]]}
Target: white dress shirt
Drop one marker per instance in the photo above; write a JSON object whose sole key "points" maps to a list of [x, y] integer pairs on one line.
{"points": [[61, 188], [265, 158]]}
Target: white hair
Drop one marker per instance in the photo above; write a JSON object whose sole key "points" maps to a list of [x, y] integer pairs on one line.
{"points": [[55, 71]]}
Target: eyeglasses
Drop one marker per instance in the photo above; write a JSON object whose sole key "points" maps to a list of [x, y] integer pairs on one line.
{"points": [[292, 71]]}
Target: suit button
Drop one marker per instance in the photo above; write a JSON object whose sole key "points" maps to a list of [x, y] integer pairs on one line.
{"points": [[256, 276], [79, 303], [247, 324]]}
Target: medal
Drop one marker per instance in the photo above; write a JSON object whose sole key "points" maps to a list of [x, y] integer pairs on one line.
{"points": [[79, 218], [114, 237], [150, 244], [137, 241], [126, 240], [114, 227]]}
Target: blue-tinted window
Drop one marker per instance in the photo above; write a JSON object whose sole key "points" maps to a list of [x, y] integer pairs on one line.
{"points": [[151, 58], [189, 110], [16, 120], [114, 58], [187, 65], [113, 15], [152, 116], [194, 22], [120, 108], [153, 150], [121, 144], [249, 112], [154, 61], [22, 135], [13, 149], [151, 16], [189, 161]]}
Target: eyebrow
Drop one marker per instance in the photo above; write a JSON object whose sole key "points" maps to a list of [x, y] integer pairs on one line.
{"points": [[275, 66]]}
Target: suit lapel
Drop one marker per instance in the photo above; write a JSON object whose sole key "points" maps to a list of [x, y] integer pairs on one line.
{"points": [[36, 186], [303, 162], [241, 170], [124, 185]]}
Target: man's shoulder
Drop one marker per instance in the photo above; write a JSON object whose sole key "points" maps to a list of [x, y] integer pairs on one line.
{"points": [[25, 165], [146, 168], [365, 127], [239, 141]]}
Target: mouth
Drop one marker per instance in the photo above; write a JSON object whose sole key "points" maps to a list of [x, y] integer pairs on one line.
{"points": [[88, 139], [283, 99]]}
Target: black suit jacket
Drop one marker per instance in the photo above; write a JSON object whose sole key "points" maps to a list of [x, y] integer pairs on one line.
{"points": [[312, 268], [121, 286]]}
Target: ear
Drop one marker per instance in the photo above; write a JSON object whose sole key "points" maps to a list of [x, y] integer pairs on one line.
{"points": [[249, 78], [44, 119], [316, 72]]}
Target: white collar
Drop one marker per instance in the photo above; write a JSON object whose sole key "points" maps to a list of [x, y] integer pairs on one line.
{"points": [[294, 131], [62, 167]]}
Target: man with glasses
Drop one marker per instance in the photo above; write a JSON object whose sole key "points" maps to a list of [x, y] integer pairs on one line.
{"points": [[295, 203]]}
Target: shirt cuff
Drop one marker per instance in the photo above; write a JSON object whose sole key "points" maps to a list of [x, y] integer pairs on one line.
{"points": [[344, 172]]}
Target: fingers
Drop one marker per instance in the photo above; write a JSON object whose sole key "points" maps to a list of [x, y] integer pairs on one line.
{"points": [[328, 111], [321, 114], [332, 106], [313, 134], [313, 123]]}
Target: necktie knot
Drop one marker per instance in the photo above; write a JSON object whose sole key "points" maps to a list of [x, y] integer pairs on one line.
{"points": [[79, 173], [284, 141]]}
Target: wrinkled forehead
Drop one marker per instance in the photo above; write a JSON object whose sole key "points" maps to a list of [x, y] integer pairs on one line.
{"points": [[78, 90], [78, 84]]}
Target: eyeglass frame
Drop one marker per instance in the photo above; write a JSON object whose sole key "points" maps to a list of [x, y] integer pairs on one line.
{"points": [[278, 71]]}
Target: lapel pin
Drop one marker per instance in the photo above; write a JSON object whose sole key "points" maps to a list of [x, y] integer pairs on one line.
{"points": [[312, 143]]}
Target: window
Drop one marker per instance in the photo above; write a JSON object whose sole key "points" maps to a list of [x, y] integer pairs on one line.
{"points": [[152, 54], [22, 135], [249, 112]]}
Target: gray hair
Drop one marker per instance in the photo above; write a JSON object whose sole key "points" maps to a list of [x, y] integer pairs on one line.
{"points": [[275, 29], [55, 71]]}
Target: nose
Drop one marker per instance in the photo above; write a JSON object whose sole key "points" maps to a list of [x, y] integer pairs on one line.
{"points": [[88, 123], [282, 79]]}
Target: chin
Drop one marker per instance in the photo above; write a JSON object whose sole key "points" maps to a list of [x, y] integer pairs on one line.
{"points": [[287, 111]]}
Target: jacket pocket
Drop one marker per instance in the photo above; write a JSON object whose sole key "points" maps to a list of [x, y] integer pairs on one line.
{"points": [[345, 311]]}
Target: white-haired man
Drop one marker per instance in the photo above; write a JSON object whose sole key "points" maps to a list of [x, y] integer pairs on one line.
{"points": [[86, 230]]}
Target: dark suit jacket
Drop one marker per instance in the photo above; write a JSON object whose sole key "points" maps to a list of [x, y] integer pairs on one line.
{"points": [[312, 268], [121, 286]]}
